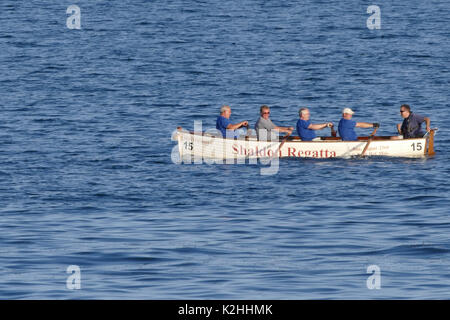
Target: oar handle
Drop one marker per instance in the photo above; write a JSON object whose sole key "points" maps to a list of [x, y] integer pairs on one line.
{"points": [[373, 133], [333, 132], [248, 131], [283, 140]]}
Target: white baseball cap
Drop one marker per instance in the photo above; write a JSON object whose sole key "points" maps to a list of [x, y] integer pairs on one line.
{"points": [[348, 110]]}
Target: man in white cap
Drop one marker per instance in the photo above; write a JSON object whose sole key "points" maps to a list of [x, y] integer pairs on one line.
{"points": [[347, 126]]}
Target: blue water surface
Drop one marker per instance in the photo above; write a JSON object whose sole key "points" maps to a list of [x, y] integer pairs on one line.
{"points": [[87, 178]]}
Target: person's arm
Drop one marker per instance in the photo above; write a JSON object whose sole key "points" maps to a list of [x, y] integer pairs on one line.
{"points": [[427, 121], [399, 128], [319, 126], [237, 125], [284, 129], [365, 125]]}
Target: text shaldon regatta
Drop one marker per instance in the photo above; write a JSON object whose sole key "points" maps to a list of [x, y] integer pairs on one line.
{"points": [[241, 150]]}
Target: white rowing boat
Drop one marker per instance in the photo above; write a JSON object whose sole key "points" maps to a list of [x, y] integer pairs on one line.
{"points": [[207, 146]]}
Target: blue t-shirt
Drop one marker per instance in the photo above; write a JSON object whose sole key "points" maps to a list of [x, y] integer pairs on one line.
{"points": [[222, 124], [303, 132], [346, 130]]}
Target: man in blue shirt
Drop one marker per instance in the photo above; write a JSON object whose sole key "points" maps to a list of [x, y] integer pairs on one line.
{"points": [[411, 126], [306, 129], [223, 123], [347, 126]]}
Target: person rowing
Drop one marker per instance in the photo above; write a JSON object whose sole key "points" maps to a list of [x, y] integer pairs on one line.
{"points": [[265, 128], [411, 126], [306, 129], [224, 125], [347, 126]]}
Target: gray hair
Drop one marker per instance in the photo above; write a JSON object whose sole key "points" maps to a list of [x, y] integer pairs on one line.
{"points": [[223, 108], [300, 112]]}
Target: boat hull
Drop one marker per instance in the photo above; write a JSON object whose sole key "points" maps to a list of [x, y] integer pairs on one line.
{"points": [[209, 147]]}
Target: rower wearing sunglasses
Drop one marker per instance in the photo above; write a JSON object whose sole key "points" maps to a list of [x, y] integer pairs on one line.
{"points": [[411, 126], [265, 128]]}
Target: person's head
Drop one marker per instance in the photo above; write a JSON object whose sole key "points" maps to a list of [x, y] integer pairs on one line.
{"points": [[225, 111], [304, 113], [265, 111], [347, 113], [405, 111]]}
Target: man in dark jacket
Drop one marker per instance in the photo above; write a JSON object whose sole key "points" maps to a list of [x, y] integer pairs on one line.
{"points": [[411, 126]]}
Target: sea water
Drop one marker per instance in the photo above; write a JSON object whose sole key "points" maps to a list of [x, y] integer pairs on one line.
{"points": [[92, 205]]}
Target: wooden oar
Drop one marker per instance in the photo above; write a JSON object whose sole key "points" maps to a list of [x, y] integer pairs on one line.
{"points": [[333, 132], [369, 140], [247, 136], [281, 144]]}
